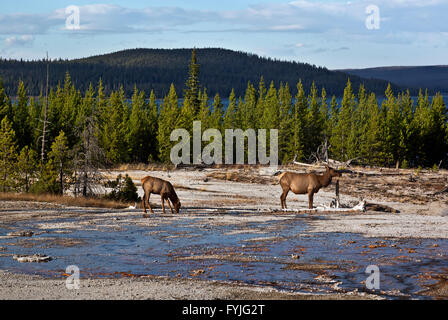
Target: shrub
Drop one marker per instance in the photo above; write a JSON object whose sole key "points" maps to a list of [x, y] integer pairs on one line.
{"points": [[48, 181], [405, 164], [122, 189]]}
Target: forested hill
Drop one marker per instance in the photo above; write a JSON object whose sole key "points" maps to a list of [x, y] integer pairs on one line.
{"points": [[220, 71], [434, 78]]}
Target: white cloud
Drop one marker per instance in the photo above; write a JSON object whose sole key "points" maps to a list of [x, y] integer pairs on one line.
{"points": [[301, 16], [19, 41], [287, 27]]}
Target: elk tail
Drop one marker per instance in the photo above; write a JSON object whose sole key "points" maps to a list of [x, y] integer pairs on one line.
{"points": [[279, 174]]}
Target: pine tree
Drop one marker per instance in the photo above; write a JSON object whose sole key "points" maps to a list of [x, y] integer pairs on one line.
{"points": [[231, 112], [362, 119], [285, 123], [422, 123], [101, 110], [271, 109], [8, 155], [192, 84], [71, 101], [324, 114], [436, 147], [408, 130], [36, 126], [5, 103], [61, 157], [259, 109], [217, 114], [342, 138], [86, 110], [153, 127], [115, 129], [393, 127], [334, 115], [247, 113], [48, 181], [204, 114], [186, 116], [299, 115], [168, 115], [372, 148], [315, 123], [27, 168], [139, 132], [21, 121]]}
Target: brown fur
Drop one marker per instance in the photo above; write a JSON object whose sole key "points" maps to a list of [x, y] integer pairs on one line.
{"points": [[302, 183], [162, 187]]}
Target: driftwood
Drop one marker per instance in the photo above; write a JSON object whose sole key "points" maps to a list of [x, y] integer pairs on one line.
{"points": [[305, 164], [380, 208], [444, 190], [359, 208], [193, 167], [32, 258], [328, 162]]}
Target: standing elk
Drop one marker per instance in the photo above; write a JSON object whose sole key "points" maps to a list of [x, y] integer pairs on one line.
{"points": [[302, 183], [162, 187]]}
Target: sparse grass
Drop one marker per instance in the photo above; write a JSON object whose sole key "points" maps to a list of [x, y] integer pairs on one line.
{"points": [[64, 200], [236, 176], [144, 167]]}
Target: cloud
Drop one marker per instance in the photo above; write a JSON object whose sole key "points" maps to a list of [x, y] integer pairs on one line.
{"points": [[15, 41], [301, 16]]}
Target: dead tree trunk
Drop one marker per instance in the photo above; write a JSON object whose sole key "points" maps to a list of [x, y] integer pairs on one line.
{"points": [[337, 194]]}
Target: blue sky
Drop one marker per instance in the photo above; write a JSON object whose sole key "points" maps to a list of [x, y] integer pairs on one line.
{"points": [[331, 33]]}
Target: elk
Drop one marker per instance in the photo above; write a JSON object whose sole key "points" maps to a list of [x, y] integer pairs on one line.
{"points": [[302, 183], [162, 187]]}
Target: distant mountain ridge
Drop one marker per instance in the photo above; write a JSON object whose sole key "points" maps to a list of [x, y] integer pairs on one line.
{"points": [[434, 78], [220, 71]]}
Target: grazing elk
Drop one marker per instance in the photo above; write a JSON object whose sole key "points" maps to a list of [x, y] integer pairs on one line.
{"points": [[301, 183], [162, 187]]}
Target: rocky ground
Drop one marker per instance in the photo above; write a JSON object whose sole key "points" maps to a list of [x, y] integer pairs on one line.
{"points": [[232, 241]]}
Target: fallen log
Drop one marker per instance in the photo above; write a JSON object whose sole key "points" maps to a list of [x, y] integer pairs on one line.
{"points": [[32, 258], [444, 190], [359, 208], [380, 208]]}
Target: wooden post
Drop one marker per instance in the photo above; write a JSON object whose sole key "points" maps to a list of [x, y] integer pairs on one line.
{"points": [[337, 194]]}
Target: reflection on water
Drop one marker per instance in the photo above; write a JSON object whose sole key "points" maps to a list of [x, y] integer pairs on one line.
{"points": [[279, 253]]}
